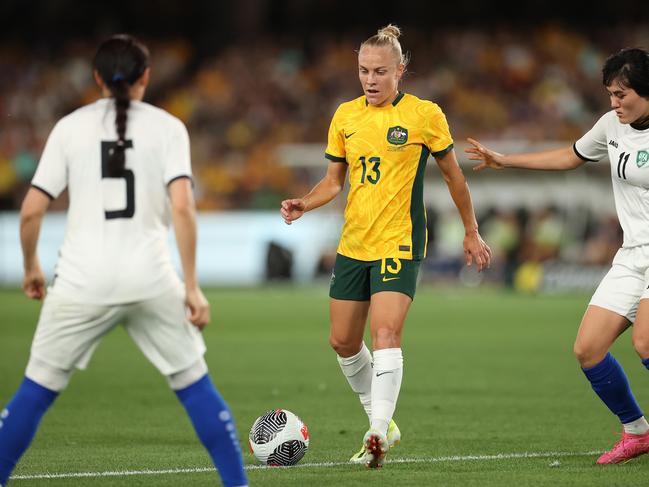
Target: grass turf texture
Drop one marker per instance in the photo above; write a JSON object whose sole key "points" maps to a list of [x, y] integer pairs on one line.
{"points": [[486, 372]]}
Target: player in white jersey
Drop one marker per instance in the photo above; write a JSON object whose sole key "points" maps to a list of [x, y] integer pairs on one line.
{"points": [[126, 165], [622, 298]]}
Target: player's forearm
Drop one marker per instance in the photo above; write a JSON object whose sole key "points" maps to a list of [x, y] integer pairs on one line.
{"points": [[184, 221], [322, 193], [32, 212], [461, 196], [551, 160], [30, 227]]}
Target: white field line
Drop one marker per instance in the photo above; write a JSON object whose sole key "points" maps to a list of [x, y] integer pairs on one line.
{"points": [[453, 458]]}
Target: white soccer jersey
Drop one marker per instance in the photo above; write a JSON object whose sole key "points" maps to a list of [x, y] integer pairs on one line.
{"points": [[628, 152], [115, 249]]}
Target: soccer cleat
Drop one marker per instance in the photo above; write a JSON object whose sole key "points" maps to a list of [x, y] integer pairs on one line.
{"points": [[376, 446], [394, 438], [628, 447], [394, 434], [359, 456]]}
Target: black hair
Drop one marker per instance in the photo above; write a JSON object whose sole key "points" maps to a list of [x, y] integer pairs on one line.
{"points": [[120, 61], [631, 68]]}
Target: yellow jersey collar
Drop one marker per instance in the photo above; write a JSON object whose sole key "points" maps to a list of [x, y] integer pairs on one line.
{"points": [[398, 98]]}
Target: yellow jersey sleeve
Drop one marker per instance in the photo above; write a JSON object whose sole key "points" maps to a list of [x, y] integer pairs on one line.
{"points": [[436, 134], [335, 151]]}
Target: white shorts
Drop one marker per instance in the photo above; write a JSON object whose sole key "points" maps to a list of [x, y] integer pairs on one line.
{"points": [[68, 332], [626, 283]]}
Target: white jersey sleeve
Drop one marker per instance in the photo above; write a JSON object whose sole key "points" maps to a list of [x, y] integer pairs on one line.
{"points": [[593, 145], [178, 159], [51, 174]]}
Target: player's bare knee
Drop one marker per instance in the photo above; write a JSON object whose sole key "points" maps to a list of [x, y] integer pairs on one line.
{"points": [[581, 353], [587, 356], [641, 344], [344, 348], [186, 377], [46, 375]]}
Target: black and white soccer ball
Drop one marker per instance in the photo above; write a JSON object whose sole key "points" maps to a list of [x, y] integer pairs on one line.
{"points": [[279, 438]]}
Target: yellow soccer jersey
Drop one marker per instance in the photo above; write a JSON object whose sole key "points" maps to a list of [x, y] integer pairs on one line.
{"points": [[386, 149]]}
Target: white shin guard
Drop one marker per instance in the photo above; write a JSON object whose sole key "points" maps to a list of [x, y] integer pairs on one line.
{"points": [[188, 376], [358, 372], [46, 375], [386, 383]]}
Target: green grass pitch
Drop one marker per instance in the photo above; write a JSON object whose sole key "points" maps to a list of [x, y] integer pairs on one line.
{"points": [[487, 373]]}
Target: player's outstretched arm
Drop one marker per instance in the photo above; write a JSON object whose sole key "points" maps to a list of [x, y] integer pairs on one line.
{"points": [[475, 249], [183, 211], [321, 194], [551, 160], [31, 216]]}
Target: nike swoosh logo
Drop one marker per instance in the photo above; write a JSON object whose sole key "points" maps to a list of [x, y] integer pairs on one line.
{"points": [[347, 136], [379, 374], [386, 279]]}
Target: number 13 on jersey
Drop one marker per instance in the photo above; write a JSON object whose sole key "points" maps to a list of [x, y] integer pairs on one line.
{"points": [[375, 173]]}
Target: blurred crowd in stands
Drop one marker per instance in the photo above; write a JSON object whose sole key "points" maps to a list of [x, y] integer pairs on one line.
{"points": [[240, 102], [525, 244]]}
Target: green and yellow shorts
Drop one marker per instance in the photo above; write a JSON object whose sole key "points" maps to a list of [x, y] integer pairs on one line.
{"points": [[357, 280]]}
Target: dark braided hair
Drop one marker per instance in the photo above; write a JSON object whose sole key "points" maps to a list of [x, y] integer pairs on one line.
{"points": [[631, 68], [120, 61]]}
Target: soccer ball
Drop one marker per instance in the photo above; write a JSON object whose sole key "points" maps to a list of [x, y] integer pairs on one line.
{"points": [[279, 438]]}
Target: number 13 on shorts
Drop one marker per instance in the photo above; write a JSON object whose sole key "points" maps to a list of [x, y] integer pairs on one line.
{"points": [[390, 266], [395, 275]]}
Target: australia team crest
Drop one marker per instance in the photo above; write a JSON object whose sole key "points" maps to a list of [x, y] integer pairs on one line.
{"points": [[397, 135]]}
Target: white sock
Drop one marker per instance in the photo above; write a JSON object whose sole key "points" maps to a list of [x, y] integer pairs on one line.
{"points": [[358, 371], [637, 427], [386, 382]]}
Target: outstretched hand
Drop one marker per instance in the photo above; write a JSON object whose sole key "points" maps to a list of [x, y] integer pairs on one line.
{"points": [[293, 209], [475, 249], [489, 158]]}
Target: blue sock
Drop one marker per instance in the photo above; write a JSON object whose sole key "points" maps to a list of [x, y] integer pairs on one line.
{"points": [[611, 385], [19, 422], [215, 428], [645, 362]]}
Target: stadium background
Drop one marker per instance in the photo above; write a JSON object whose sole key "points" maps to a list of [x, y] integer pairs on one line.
{"points": [[256, 82], [492, 395]]}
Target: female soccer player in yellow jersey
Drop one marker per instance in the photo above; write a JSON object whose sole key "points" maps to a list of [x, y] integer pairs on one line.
{"points": [[384, 139]]}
